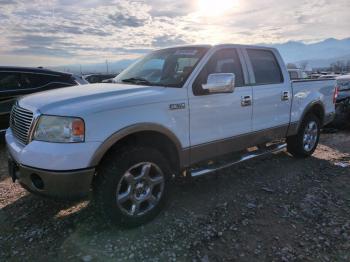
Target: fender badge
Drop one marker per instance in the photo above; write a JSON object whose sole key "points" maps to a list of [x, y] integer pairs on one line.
{"points": [[177, 106]]}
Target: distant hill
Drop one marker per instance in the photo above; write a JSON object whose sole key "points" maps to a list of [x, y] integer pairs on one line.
{"points": [[319, 54], [113, 67], [321, 63]]}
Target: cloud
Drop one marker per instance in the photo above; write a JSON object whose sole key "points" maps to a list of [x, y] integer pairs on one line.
{"points": [[7, 2], [121, 20], [90, 30], [170, 8], [41, 51], [167, 40], [36, 40]]}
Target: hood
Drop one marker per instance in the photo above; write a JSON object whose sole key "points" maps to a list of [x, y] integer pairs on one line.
{"points": [[92, 97]]}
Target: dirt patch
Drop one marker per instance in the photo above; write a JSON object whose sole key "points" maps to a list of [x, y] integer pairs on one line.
{"points": [[275, 208]]}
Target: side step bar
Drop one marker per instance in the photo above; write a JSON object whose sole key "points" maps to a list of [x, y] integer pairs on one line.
{"points": [[260, 152]]}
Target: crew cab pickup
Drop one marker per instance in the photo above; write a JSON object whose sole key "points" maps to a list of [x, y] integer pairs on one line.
{"points": [[182, 111]]}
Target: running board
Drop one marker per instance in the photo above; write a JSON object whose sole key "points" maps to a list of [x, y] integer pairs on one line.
{"points": [[260, 152]]}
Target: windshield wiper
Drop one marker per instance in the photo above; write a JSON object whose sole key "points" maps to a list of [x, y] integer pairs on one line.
{"points": [[137, 80]]}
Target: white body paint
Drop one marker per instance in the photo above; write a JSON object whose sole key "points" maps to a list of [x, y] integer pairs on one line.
{"points": [[109, 108]]}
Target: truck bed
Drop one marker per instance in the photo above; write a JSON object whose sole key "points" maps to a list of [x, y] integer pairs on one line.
{"points": [[307, 90]]}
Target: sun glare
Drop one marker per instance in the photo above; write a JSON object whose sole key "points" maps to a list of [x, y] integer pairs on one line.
{"points": [[215, 7]]}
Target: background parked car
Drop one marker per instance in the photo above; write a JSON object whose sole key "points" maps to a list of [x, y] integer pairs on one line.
{"points": [[98, 78], [19, 81], [331, 76], [109, 80], [342, 106], [295, 74], [343, 83], [315, 76]]}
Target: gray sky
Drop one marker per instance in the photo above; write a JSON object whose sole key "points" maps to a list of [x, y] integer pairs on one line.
{"points": [[58, 32]]}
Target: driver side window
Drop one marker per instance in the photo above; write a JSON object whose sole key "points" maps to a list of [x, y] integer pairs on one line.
{"points": [[223, 61]]}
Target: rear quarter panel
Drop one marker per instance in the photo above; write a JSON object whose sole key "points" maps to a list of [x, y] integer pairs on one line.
{"points": [[311, 91]]}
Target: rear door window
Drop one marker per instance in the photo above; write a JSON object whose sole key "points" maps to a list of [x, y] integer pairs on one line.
{"points": [[43, 80], [265, 67], [67, 80], [39, 80]]}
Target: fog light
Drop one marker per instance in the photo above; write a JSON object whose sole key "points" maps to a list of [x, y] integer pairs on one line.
{"points": [[37, 181]]}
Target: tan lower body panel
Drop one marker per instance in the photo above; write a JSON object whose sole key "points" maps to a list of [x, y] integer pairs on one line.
{"points": [[217, 148]]}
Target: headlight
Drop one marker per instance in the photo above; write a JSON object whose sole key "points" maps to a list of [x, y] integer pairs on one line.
{"points": [[60, 129]]}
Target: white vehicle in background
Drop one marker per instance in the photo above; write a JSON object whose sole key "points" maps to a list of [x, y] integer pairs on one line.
{"points": [[330, 76], [315, 76], [296, 74], [182, 111]]}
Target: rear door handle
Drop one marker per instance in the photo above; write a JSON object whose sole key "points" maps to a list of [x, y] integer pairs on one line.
{"points": [[246, 101], [285, 96]]}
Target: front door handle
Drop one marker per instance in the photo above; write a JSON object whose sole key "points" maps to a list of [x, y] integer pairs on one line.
{"points": [[285, 96], [246, 101]]}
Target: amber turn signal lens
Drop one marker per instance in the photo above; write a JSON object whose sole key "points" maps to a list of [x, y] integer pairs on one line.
{"points": [[78, 127]]}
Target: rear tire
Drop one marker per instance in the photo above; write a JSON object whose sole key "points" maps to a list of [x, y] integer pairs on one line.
{"points": [[132, 186], [305, 142]]}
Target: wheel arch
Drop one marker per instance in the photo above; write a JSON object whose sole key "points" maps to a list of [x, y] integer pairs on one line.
{"points": [[145, 134], [316, 108]]}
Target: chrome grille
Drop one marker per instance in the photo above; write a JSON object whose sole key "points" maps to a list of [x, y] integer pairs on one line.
{"points": [[20, 122]]}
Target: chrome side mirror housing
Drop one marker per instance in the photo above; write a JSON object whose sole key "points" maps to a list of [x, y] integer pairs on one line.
{"points": [[220, 83]]}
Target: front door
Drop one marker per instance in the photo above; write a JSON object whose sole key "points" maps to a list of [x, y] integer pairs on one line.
{"points": [[218, 120]]}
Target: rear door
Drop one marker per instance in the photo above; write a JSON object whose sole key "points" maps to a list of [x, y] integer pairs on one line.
{"points": [[271, 93]]}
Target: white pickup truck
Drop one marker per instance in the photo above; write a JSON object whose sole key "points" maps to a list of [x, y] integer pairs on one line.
{"points": [[183, 111]]}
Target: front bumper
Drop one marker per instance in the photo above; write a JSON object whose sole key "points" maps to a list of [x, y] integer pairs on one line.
{"points": [[52, 169], [56, 184], [52, 156]]}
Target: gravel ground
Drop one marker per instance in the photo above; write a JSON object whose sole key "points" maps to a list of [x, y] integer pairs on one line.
{"points": [[275, 208]]}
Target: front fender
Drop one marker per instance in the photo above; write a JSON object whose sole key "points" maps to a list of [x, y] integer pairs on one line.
{"points": [[119, 135]]}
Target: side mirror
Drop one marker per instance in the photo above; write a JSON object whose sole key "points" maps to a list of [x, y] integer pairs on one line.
{"points": [[220, 83]]}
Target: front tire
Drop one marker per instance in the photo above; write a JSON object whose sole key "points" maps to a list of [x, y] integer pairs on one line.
{"points": [[305, 142], [132, 186]]}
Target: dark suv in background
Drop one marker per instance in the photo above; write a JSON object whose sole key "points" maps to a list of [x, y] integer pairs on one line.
{"points": [[19, 81], [98, 78]]}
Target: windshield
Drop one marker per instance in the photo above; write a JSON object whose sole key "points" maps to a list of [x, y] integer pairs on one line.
{"points": [[168, 67]]}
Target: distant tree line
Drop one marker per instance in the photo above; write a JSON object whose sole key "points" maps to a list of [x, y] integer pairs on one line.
{"points": [[340, 66]]}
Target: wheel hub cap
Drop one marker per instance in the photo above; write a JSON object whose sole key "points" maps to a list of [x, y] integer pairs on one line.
{"points": [[140, 189], [310, 136]]}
